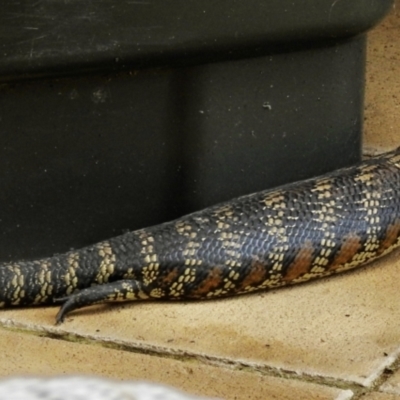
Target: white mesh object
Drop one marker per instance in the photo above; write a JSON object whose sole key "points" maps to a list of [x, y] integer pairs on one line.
{"points": [[85, 388]]}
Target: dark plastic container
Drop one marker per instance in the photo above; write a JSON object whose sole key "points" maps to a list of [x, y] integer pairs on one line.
{"points": [[116, 116]]}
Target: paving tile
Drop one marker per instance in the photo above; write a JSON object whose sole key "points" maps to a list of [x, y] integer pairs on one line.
{"points": [[379, 396], [345, 327], [382, 96], [27, 354], [392, 385]]}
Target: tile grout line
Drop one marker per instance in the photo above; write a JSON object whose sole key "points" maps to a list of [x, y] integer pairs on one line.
{"points": [[382, 378], [184, 356], [390, 360]]}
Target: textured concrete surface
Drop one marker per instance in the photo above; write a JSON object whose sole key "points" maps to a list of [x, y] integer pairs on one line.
{"points": [[392, 385], [382, 96], [379, 396], [338, 338], [28, 354]]}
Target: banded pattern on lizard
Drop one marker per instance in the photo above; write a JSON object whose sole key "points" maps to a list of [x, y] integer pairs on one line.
{"points": [[287, 235]]}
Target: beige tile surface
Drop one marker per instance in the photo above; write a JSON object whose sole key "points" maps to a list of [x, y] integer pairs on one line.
{"points": [[379, 396], [344, 327], [392, 385], [27, 354], [382, 96]]}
